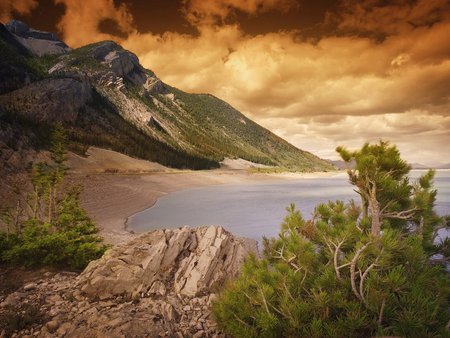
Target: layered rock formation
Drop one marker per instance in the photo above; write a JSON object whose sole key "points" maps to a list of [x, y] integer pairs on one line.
{"points": [[186, 261], [160, 284]]}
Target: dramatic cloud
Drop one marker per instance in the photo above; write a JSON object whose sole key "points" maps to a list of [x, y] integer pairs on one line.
{"points": [[82, 20], [392, 17], [10, 7], [416, 133], [201, 12], [276, 75], [344, 88]]}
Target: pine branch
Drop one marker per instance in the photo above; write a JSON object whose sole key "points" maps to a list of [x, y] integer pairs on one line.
{"points": [[364, 276], [353, 270], [288, 261], [335, 258], [380, 316], [405, 214]]}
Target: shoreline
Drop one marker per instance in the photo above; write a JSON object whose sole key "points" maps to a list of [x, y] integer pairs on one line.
{"points": [[112, 199]]}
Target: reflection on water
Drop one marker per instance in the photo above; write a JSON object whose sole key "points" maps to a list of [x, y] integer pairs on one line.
{"points": [[256, 210]]}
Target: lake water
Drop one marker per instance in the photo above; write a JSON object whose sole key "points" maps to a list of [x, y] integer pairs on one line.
{"points": [[257, 209]]}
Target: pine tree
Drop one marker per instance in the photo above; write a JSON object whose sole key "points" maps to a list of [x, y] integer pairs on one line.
{"points": [[380, 176], [338, 274]]}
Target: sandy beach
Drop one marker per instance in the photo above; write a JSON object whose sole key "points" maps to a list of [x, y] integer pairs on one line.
{"points": [[117, 186]]}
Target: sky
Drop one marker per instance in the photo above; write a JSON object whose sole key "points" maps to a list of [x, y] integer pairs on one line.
{"points": [[318, 73]]}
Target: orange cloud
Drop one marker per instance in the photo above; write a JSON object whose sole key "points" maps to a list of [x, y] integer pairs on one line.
{"points": [[419, 136], [81, 20], [201, 12], [9, 7]]}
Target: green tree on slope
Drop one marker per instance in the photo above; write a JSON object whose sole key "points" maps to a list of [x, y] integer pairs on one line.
{"points": [[53, 228]]}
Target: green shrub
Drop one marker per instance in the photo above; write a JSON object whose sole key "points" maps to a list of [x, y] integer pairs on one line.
{"points": [[71, 241]]}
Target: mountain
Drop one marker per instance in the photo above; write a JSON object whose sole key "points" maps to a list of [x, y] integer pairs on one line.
{"points": [[105, 98]]}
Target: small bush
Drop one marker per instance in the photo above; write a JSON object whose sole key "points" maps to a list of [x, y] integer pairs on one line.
{"points": [[111, 170], [17, 318]]}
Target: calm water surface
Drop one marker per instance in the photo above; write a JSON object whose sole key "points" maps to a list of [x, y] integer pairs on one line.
{"points": [[257, 209]]}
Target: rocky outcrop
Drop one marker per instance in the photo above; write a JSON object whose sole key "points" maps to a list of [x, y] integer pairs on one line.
{"points": [[121, 62], [186, 261], [38, 42], [153, 85], [160, 284], [49, 100]]}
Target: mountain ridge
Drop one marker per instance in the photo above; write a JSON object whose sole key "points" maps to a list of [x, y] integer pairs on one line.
{"points": [[108, 99]]}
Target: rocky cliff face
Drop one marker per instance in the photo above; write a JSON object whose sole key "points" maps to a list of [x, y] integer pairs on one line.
{"points": [[161, 284], [57, 99]]}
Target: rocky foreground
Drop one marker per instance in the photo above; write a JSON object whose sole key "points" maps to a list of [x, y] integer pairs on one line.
{"points": [[160, 284]]}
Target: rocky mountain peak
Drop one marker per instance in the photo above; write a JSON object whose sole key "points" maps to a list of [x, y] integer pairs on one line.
{"points": [[36, 41]]}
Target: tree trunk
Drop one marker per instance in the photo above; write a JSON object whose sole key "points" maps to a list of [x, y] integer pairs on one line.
{"points": [[35, 204], [421, 225], [375, 211], [363, 207], [17, 218], [50, 199]]}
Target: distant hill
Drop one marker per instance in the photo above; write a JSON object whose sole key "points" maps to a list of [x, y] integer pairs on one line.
{"points": [[419, 166], [341, 164], [423, 166], [105, 98], [443, 166]]}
